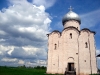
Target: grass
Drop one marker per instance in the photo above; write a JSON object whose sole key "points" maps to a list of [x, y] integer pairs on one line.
{"points": [[22, 71], [94, 74]]}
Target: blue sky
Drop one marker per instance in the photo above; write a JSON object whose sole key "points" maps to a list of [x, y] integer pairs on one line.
{"points": [[25, 23]]}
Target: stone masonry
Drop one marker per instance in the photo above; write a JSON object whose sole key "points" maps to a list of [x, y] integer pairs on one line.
{"points": [[72, 45]]}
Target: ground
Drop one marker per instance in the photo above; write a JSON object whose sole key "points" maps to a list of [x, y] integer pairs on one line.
{"points": [[23, 71]]}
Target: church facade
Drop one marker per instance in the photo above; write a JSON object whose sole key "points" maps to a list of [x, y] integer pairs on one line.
{"points": [[72, 49]]}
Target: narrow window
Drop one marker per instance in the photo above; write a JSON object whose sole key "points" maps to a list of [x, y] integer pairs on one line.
{"points": [[55, 46], [86, 45], [71, 35]]}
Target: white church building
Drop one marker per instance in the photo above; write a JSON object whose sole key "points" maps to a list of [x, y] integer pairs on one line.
{"points": [[72, 50]]}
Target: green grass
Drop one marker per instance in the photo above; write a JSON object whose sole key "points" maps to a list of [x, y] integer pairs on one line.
{"points": [[22, 71], [94, 74]]}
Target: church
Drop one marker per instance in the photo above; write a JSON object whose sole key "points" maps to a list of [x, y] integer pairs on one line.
{"points": [[72, 50]]}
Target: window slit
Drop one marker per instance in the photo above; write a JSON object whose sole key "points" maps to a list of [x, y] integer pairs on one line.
{"points": [[71, 35], [55, 46], [86, 45]]}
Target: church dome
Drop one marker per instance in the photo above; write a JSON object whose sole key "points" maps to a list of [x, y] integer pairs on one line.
{"points": [[71, 16]]}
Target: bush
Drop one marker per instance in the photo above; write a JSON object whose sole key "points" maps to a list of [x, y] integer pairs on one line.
{"points": [[39, 67]]}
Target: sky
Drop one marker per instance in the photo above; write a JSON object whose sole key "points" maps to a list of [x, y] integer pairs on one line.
{"points": [[25, 23]]}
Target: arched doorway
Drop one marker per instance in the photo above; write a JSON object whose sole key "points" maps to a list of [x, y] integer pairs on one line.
{"points": [[70, 64], [70, 69]]}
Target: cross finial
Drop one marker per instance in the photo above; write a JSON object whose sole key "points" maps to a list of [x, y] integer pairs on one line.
{"points": [[70, 8]]}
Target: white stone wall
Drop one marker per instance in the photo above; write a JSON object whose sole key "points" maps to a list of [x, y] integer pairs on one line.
{"points": [[72, 23], [53, 56], [49, 59], [87, 55], [71, 50], [61, 55], [84, 53], [93, 53], [70, 47], [55, 53]]}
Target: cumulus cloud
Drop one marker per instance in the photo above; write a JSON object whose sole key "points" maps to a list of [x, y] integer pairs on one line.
{"points": [[97, 52], [46, 3], [9, 60], [27, 53], [23, 29]]}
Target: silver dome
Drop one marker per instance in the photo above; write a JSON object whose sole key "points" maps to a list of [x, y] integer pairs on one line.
{"points": [[71, 16]]}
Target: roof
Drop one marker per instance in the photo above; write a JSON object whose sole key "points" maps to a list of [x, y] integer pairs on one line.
{"points": [[98, 55], [71, 16]]}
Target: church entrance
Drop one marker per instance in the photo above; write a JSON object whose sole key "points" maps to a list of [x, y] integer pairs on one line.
{"points": [[70, 70], [70, 66]]}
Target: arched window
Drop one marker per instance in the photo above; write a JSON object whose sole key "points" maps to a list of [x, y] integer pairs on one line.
{"points": [[71, 35], [86, 45], [55, 46]]}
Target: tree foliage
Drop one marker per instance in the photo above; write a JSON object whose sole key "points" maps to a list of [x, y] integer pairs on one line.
{"points": [[40, 67]]}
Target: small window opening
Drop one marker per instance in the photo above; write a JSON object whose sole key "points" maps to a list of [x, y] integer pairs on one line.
{"points": [[76, 53], [71, 35], [86, 45], [55, 46]]}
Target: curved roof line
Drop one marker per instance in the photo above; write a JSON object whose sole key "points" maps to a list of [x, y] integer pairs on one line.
{"points": [[98, 55], [88, 30], [71, 27], [54, 31]]}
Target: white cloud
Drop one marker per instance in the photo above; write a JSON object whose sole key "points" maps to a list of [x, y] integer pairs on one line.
{"points": [[9, 59], [46, 3], [98, 62], [23, 29], [21, 62], [97, 52], [90, 19]]}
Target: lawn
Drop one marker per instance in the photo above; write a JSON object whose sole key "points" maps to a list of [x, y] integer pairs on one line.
{"points": [[22, 71]]}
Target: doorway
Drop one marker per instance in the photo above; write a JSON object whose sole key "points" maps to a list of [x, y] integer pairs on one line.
{"points": [[70, 66]]}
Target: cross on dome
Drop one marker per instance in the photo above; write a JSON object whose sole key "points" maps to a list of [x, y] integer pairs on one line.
{"points": [[70, 8], [71, 16]]}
